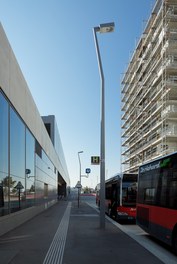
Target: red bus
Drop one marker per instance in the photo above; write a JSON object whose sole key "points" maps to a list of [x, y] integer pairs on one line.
{"points": [[157, 199], [120, 196]]}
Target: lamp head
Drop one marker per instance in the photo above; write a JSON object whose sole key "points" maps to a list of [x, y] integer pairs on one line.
{"points": [[105, 28]]}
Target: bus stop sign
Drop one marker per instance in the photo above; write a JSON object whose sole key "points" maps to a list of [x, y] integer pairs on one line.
{"points": [[95, 160]]}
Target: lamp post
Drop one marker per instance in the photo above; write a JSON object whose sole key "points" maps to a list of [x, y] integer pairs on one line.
{"points": [[79, 165], [79, 189], [103, 28]]}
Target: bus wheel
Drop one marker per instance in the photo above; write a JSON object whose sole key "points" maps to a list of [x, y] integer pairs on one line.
{"points": [[175, 243]]}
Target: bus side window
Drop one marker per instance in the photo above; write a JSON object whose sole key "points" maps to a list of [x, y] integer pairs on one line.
{"points": [[162, 188], [173, 195], [149, 195], [173, 191]]}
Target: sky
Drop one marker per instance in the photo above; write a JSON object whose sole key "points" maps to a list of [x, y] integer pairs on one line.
{"points": [[54, 46]]}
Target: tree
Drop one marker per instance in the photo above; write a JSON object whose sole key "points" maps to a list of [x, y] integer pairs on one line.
{"points": [[7, 182]]}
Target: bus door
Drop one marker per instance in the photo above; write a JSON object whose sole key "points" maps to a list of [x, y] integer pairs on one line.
{"points": [[114, 200], [1, 196]]}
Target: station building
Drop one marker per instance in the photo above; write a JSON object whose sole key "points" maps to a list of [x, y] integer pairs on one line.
{"points": [[33, 171]]}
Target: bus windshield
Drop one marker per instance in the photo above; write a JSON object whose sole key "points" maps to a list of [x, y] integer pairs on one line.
{"points": [[129, 192]]}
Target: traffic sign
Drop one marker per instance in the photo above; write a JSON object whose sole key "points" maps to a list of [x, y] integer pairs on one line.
{"points": [[28, 171], [88, 170], [95, 160], [78, 185], [19, 186]]}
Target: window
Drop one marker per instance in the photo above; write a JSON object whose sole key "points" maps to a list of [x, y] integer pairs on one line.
{"points": [[48, 128], [45, 190], [4, 151], [38, 149], [149, 195], [108, 192], [17, 160], [30, 149], [30, 178], [173, 195], [161, 188], [17, 145]]}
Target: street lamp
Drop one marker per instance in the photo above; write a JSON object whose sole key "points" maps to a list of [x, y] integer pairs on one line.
{"points": [[79, 188], [79, 165], [103, 28]]}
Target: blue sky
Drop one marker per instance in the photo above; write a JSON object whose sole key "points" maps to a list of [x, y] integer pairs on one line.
{"points": [[54, 46]]}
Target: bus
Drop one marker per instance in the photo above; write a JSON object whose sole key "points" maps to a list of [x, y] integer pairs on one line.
{"points": [[157, 199], [120, 196]]}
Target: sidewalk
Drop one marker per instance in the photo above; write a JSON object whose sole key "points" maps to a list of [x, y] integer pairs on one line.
{"points": [[86, 243], [66, 234]]}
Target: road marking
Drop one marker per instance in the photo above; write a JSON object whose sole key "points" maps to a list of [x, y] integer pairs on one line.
{"points": [[56, 250], [86, 215]]}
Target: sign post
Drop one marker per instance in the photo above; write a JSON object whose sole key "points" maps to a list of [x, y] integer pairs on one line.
{"points": [[19, 187], [78, 186]]}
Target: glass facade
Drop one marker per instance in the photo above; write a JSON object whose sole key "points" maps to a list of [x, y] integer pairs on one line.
{"points": [[46, 178], [17, 162], [30, 169], [4, 190], [27, 176]]}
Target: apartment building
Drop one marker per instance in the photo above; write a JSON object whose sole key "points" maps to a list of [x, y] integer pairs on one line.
{"points": [[149, 91]]}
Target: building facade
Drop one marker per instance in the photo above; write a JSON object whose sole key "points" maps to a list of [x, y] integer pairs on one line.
{"points": [[32, 171], [52, 129], [149, 91]]}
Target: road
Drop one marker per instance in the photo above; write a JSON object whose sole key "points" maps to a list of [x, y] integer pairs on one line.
{"points": [[160, 250]]}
